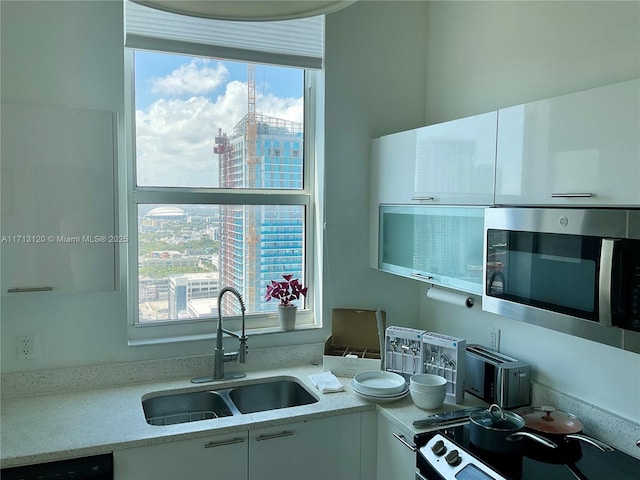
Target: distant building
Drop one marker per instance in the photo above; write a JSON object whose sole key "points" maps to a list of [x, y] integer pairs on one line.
{"points": [[168, 259], [187, 287], [159, 217], [167, 212], [202, 308]]}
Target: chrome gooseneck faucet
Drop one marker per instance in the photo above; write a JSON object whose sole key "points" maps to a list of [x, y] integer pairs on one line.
{"points": [[220, 357]]}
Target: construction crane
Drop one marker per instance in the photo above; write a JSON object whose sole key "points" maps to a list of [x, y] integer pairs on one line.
{"points": [[252, 128], [252, 234]]}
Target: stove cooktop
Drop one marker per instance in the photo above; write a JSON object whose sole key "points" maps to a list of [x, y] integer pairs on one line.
{"points": [[575, 460]]}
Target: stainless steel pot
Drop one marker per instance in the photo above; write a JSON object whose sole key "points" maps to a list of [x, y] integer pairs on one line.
{"points": [[498, 431]]}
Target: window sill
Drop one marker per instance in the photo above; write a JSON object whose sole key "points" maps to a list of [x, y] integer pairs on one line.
{"points": [[263, 337]]}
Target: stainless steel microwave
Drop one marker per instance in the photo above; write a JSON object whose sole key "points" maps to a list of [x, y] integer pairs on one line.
{"points": [[572, 270]]}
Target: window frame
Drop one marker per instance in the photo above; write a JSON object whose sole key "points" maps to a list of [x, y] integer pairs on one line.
{"points": [[142, 333]]}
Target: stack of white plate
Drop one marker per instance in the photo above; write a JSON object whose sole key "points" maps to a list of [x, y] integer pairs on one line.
{"points": [[379, 386]]}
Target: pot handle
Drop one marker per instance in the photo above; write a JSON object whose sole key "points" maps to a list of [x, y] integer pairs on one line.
{"points": [[496, 412], [596, 443], [533, 436]]}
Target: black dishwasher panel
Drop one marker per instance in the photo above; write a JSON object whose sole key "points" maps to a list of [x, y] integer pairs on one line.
{"points": [[97, 467]]}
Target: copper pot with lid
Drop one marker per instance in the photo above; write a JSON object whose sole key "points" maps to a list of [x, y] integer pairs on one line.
{"points": [[557, 425]]}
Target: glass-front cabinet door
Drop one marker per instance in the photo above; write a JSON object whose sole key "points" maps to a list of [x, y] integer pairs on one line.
{"points": [[440, 245]]}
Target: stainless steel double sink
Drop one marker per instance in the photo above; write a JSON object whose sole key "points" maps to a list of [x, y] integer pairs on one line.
{"points": [[268, 394]]}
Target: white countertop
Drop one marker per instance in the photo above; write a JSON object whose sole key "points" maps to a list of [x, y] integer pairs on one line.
{"points": [[57, 426]]}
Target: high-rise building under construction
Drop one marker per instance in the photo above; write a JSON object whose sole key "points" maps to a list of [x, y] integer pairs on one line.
{"points": [[259, 243]]}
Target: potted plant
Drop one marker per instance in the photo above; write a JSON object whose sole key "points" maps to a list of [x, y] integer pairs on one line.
{"points": [[286, 292]]}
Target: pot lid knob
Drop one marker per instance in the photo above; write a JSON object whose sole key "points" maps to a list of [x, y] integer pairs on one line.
{"points": [[548, 410]]}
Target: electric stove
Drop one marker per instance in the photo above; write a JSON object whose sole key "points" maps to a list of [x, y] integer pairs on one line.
{"points": [[449, 454]]}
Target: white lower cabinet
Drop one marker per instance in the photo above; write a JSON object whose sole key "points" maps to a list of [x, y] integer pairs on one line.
{"points": [[322, 449], [396, 461], [327, 448], [222, 457]]}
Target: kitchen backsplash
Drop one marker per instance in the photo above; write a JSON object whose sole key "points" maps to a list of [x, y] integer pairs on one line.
{"points": [[101, 376]]}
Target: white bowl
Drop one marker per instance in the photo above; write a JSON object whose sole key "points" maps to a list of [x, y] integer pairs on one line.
{"points": [[428, 383], [427, 401], [378, 382]]}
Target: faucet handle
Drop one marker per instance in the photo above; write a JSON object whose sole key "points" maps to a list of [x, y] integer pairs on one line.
{"points": [[243, 350]]}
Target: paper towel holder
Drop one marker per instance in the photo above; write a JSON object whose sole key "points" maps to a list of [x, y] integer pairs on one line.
{"points": [[450, 297]]}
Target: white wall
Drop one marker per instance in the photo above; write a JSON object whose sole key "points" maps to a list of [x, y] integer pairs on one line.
{"points": [[484, 55], [70, 54], [374, 86], [487, 55], [65, 54]]}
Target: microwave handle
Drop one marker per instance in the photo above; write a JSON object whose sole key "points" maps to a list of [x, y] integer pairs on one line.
{"points": [[606, 273]]}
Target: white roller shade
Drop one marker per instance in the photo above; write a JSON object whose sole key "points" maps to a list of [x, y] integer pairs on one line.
{"points": [[297, 43]]}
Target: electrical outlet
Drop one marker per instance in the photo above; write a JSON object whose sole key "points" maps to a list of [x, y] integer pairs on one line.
{"points": [[494, 338], [26, 346]]}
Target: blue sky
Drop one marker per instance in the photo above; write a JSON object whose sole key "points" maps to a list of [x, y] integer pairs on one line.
{"points": [[182, 101], [278, 81]]}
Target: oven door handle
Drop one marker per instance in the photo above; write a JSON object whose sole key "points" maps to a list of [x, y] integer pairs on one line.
{"points": [[400, 437], [605, 281]]}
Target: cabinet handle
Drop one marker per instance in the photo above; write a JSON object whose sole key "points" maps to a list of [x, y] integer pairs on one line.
{"points": [[224, 442], [430, 199], [269, 436], [400, 437], [29, 289], [420, 275], [572, 195]]}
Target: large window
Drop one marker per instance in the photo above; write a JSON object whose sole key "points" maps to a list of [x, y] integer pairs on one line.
{"points": [[220, 192]]}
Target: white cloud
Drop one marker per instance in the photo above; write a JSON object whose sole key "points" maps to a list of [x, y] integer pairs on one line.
{"points": [[287, 108], [195, 78], [176, 136]]}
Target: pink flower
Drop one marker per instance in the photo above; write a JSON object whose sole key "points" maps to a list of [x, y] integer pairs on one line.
{"points": [[285, 291]]}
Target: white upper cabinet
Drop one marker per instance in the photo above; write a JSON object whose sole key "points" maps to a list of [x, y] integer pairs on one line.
{"points": [[393, 160], [576, 149], [449, 163], [455, 161], [58, 199], [392, 168]]}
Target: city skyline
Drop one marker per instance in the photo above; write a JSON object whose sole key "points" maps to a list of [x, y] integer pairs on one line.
{"points": [[251, 244]]}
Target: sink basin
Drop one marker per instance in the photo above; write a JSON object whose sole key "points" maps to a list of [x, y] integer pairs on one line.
{"points": [[184, 407], [270, 395]]}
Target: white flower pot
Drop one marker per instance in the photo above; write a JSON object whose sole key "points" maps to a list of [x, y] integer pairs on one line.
{"points": [[287, 317]]}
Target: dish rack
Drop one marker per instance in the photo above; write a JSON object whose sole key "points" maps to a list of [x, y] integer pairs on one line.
{"points": [[403, 350], [445, 356], [172, 419]]}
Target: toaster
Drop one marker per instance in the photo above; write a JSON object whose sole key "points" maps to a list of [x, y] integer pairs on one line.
{"points": [[497, 378]]}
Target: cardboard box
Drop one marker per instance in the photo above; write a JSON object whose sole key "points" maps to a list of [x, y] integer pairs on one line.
{"points": [[354, 344]]}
